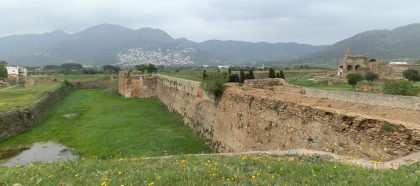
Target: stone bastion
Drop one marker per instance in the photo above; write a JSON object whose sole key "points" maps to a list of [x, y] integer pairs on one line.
{"points": [[270, 114]]}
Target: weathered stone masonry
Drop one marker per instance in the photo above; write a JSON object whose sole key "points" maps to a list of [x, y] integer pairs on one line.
{"points": [[248, 118]]}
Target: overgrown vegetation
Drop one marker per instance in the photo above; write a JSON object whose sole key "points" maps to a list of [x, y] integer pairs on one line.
{"points": [[400, 87], [271, 73], [371, 76], [353, 79], [205, 170], [150, 68], [387, 127], [412, 74], [213, 84], [3, 71]]}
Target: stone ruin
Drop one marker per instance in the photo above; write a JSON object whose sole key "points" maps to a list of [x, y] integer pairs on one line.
{"points": [[363, 64]]}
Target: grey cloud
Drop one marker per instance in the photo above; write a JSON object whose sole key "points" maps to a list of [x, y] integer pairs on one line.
{"points": [[307, 21]]}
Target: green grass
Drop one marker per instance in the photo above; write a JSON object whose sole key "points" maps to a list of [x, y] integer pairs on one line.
{"points": [[20, 97], [108, 125], [206, 170], [304, 78]]}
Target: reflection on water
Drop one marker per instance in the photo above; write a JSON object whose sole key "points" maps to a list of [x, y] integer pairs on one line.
{"points": [[38, 152]]}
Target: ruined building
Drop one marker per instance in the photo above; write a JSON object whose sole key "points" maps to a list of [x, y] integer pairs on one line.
{"points": [[363, 64]]}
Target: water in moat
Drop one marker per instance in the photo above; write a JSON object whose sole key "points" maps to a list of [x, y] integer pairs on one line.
{"points": [[38, 152]]}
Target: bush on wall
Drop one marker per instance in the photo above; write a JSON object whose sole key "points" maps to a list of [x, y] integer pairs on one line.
{"points": [[213, 84], [400, 87]]}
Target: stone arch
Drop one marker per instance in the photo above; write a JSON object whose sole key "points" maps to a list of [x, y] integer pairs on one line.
{"points": [[349, 68], [357, 67]]}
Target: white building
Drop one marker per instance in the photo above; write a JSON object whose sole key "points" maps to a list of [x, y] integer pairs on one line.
{"points": [[12, 71], [398, 63], [223, 66], [16, 71]]}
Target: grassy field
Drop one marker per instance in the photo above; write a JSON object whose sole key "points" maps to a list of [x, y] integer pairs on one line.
{"points": [[191, 74], [20, 96], [101, 123], [206, 170], [305, 78], [78, 78]]}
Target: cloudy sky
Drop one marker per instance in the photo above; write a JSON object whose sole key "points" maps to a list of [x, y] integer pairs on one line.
{"points": [[304, 21]]}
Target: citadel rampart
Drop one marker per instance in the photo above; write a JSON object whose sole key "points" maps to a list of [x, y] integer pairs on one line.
{"points": [[248, 118]]}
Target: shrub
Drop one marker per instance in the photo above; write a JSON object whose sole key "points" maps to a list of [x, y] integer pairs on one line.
{"points": [[401, 87], [370, 76], [241, 76], [271, 73], [387, 127], [213, 84], [141, 68], [412, 74], [233, 78], [204, 75], [353, 79], [281, 75], [3, 73], [111, 69], [66, 82], [151, 68], [250, 75]]}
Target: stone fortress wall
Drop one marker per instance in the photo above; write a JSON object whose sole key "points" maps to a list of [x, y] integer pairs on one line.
{"points": [[277, 116]]}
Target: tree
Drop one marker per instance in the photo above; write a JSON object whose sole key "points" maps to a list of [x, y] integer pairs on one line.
{"points": [[233, 78], [204, 75], [229, 70], [412, 74], [151, 68], [214, 84], [250, 75], [71, 66], [353, 79], [110, 69], [3, 63], [141, 68], [271, 73], [371, 76], [3, 73], [403, 87], [281, 75], [51, 67], [241, 76]]}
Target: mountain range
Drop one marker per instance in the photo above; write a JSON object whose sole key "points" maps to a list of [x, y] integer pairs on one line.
{"points": [[399, 44], [114, 44]]}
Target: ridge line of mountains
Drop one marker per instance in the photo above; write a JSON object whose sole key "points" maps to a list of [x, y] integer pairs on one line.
{"points": [[114, 44]]}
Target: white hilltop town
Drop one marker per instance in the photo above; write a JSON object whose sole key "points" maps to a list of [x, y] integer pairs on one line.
{"points": [[136, 56]]}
